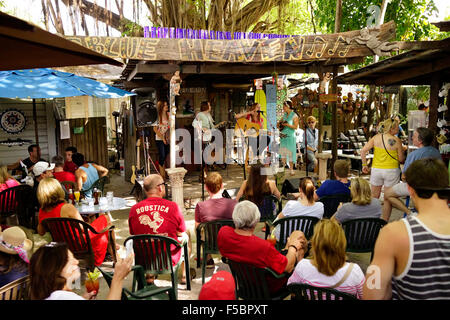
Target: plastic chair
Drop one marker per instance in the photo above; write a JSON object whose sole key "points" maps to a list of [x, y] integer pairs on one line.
{"points": [[25, 210], [251, 281], [289, 224], [17, 290], [362, 234], [99, 184], [269, 209], [332, 202], [300, 291], [209, 243], [8, 203], [153, 253], [69, 185], [148, 292], [76, 234]]}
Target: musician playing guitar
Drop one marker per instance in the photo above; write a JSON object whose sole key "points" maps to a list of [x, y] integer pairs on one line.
{"points": [[288, 125], [253, 114]]}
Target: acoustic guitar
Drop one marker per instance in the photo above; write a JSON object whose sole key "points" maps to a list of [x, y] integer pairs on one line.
{"points": [[246, 128], [207, 134]]}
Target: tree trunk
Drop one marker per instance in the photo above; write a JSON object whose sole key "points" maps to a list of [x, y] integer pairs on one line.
{"points": [[55, 16], [337, 21], [45, 12]]}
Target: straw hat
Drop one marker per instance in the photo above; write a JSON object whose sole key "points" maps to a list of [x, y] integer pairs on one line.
{"points": [[14, 237]]}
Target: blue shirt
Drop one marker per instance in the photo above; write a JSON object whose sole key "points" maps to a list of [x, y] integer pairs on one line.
{"points": [[331, 187], [92, 176], [421, 153], [312, 137]]}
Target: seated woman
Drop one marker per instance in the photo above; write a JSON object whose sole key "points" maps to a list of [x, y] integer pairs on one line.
{"points": [[304, 206], [241, 245], [53, 205], [328, 268], [362, 205], [257, 186], [6, 181], [15, 249], [53, 270]]}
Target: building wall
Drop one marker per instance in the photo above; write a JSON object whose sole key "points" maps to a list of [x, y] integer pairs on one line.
{"points": [[46, 129]]}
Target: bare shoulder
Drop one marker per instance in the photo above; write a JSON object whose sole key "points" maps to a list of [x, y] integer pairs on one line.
{"points": [[394, 231]]}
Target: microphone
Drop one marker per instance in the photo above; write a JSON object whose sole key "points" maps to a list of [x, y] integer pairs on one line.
{"points": [[259, 111]]}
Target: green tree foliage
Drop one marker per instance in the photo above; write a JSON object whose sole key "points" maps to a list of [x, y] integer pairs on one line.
{"points": [[410, 16]]}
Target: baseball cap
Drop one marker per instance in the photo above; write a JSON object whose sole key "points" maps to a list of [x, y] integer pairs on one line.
{"points": [[220, 287], [42, 166]]}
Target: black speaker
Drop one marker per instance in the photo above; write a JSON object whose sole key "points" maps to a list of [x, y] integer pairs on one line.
{"points": [[290, 186], [145, 104], [230, 193]]}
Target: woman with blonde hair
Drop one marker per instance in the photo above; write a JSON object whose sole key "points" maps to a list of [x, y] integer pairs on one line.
{"points": [[6, 180], [387, 155], [51, 198], [327, 267], [362, 205]]}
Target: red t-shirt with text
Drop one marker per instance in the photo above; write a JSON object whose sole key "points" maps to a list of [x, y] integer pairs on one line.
{"points": [[157, 216]]}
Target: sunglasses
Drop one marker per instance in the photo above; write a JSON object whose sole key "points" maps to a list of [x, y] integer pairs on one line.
{"points": [[427, 193]]}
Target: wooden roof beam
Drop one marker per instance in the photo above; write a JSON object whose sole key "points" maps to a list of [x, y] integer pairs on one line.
{"points": [[422, 70], [249, 69], [386, 64]]}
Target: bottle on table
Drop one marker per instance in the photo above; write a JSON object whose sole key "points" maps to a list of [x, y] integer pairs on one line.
{"points": [[95, 194], [71, 197]]}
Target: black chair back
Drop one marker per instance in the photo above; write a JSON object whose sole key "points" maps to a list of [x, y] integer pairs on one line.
{"points": [[306, 292], [331, 203], [153, 253], [361, 234], [290, 224], [208, 245], [251, 282]]}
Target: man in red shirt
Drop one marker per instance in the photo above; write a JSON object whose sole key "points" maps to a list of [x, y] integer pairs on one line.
{"points": [[241, 245], [59, 172], [155, 215], [69, 165]]}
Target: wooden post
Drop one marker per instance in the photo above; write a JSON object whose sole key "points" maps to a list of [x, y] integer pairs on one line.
{"points": [[435, 85], [334, 125], [36, 131], [319, 149]]}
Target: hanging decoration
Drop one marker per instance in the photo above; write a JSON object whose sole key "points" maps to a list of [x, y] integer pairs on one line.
{"points": [[13, 121]]}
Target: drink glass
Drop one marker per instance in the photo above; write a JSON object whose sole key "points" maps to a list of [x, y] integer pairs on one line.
{"points": [[110, 198], [92, 285], [77, 196]]}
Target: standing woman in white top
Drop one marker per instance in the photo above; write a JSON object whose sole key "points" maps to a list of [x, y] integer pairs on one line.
{"points": [[327, 267], [53, 270], [161, 137], [305, 205]]}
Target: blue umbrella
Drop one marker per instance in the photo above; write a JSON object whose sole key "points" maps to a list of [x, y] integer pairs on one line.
{"points": [[49, 83]]}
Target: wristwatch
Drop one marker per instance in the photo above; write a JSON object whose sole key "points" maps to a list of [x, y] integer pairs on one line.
{"points": [[293, 247]]}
